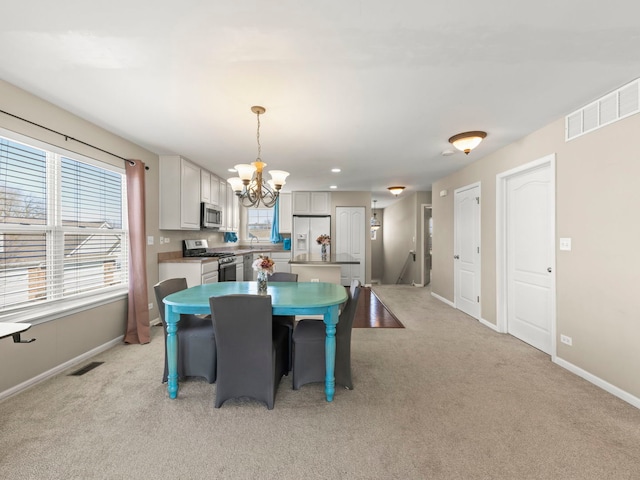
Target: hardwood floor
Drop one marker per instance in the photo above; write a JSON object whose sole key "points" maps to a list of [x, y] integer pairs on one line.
{"points": [[372, 313]]}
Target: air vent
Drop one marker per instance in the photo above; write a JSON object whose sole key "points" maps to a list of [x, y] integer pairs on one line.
{"points": [[610, 108], [87, 368]]}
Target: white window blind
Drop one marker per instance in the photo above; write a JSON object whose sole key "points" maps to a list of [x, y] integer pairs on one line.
{"points": [[62, 226]]}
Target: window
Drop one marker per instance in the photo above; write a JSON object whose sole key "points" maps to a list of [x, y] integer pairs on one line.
{"points": [[62, 226], [259, 221]]}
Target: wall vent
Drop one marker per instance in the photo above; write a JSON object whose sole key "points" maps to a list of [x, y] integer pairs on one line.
{"points": [[612, 107], [85, 369]]}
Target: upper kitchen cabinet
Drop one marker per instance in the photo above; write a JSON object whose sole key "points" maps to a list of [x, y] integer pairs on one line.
{"points": [[284, 214], [222, 203], [311, 203], [205, 186], [179, 194], [209, 188]]}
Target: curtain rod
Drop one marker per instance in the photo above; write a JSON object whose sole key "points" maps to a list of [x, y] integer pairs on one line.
{"points": [[67, 138]]}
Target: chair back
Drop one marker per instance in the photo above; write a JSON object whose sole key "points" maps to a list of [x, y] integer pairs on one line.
{"points": [[283, 277], [243, 329], [343, 328], [167, 287]]}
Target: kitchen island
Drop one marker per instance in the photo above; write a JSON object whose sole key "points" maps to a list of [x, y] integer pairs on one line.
{"points": [[317, 268]]}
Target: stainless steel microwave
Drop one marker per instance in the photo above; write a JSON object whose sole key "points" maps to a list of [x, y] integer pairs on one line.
{"points": [[211, 216]]}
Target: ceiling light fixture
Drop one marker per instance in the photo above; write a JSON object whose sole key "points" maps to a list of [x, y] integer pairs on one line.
{"points": [[249, 185], [375, 223], [467, 141], [395, 190]]}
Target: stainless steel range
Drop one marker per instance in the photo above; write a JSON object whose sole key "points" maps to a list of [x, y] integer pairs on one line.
{"points": [[226, 260]]}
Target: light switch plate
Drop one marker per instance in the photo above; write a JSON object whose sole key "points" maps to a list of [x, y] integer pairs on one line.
{"points": [[150, 240], [565, 244]]}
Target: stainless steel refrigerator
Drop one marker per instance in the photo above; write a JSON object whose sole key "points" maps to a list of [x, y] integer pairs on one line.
{"points": [[306, 229]]}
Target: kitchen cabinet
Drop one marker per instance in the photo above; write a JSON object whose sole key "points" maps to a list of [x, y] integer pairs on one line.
{"points": [[311, 203], [205, 186], [281, 260], [284, 214], [197, 271], [179, 194], [223, 203], [233, 210]]}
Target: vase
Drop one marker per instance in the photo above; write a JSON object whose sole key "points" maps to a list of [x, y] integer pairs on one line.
{"points": [[323, 250], [262, 283]]}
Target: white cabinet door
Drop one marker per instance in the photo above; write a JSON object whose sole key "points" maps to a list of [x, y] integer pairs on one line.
{"points": [[284, 215], [215, 190], [190, 196], [320, 203], [301, 203], [205, 186], [179, 197], [281, 260], [223, 204]]}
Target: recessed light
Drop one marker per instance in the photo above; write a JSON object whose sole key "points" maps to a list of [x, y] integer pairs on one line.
{"points": [[336, 170], [333, 186]]}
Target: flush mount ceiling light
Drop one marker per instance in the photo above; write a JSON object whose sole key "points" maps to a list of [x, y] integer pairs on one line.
{"points": [[467, 141], [249, 185], [375, 223], [395, 190]]}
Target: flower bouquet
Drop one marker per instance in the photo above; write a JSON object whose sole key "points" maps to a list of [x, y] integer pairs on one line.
{"points": [[323, 240], [264, 266]]}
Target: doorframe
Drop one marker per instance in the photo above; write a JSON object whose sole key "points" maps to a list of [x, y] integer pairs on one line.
{"points": [[456, 285], [501, 242], [423, 207]]}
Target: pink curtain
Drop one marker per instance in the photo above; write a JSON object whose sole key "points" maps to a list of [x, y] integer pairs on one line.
{"points": [[138, 330]]}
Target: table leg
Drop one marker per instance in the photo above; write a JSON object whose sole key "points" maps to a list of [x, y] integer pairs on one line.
{"points": [[330, 320], [172, 320]]}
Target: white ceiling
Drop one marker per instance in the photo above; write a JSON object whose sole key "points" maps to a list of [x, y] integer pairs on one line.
{"points": [[374, 87]]}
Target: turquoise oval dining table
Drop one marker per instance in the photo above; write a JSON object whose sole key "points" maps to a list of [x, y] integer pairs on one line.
{"points": [[287, 298]]}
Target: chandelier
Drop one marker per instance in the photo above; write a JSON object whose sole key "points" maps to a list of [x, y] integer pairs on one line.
{"points": [[249, 185]]}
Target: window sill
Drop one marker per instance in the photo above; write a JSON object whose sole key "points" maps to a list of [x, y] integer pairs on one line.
{"points": [[54, 310]]}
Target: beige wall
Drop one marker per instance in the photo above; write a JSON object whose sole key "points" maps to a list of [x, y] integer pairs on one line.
{"points": [[597, 199], [65, 338]]}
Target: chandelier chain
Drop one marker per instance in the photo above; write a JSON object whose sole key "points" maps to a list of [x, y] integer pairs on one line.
{"points": [[258, 139]]}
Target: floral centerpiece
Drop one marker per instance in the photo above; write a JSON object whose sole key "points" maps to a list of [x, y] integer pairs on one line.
{"points": [[264, 266], [323, 240]]}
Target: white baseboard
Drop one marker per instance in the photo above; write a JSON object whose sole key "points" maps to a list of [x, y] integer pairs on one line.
{"points": [[597, 381], [443, 300], [486, 323], [60, 368]]}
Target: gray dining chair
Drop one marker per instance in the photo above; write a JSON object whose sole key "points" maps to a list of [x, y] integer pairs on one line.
{"points": [[286, 320], [196, 339], [309, 346], [251, 348]]}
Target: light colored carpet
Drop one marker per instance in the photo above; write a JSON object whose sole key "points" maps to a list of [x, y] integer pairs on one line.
{"points": [[443, 398]]}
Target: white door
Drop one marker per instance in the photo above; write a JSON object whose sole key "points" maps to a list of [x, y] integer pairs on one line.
{"points": [[467, 250], [530, 257], [350, 239]]}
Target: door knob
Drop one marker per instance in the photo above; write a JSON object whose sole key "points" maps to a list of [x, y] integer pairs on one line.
{"points": [[549, 269], [456, 257]]}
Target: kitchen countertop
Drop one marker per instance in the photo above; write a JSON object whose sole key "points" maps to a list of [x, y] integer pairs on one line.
{"points": [[316, 259], [176, 257]]}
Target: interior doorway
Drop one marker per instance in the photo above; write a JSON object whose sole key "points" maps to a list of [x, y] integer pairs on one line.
{"points": [[427, 244]]}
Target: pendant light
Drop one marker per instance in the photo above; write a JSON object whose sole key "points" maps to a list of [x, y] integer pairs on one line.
{"points": [[375, 223]]}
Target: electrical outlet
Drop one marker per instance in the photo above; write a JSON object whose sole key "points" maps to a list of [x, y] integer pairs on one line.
{"points": [[151, 306], [167, 240], [150, 240], [315, 279], [566, 340]]}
